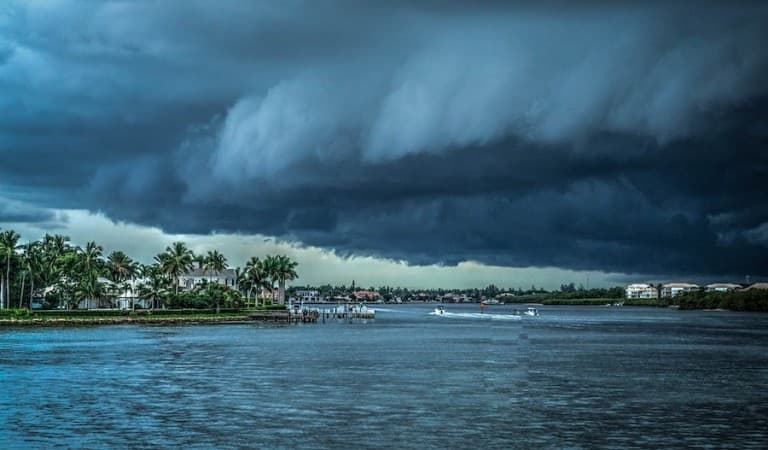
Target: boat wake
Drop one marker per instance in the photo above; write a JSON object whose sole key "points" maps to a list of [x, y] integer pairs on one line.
{"points": [[482, 316], [390, 310]]}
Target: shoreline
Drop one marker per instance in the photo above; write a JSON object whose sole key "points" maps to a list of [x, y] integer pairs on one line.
{"points": [[46, 322]]}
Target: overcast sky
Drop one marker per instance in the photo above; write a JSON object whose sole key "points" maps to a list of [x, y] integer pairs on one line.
{"points": [[405, 143]]}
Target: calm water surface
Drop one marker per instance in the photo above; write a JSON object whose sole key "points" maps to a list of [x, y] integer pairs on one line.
{"points": [[581, 377]]}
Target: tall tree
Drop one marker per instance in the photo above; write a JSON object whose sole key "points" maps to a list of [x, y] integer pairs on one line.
{"points": [[9, 241], [154, 286], [53, 258], [285, 270], [89, 268], [256, 276], [269, 266], [215, 262], [33, 263], [177, 260], [122, 269]]}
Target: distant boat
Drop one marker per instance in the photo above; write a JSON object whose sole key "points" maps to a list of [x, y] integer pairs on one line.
{"points": [[439, 311], [531, 312]]}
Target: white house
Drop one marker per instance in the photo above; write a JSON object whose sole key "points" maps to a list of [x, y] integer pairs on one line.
{"points": [[453, 297], [641, 290], [672, 289], [307, 296], [190, 280], [723, 287]]}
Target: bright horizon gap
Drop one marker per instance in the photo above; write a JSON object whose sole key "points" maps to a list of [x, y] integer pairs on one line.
{"points": [[317, 266]]}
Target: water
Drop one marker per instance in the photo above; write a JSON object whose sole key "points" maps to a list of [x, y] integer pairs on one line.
{"points": [[585, 377]]}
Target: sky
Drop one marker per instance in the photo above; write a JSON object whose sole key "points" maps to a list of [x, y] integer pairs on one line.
{"points": [[431, 143]]}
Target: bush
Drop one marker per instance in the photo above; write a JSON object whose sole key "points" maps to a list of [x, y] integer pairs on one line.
{"points": [[82, 313], [16, 313], [751, 300], [271, 307]]}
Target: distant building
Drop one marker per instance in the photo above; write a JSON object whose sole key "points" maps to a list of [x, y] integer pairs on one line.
{"points": [[269, 293], [672, 289], [190, 280], [307, 296], [723, 287], [128, 294], [641, 290], [453, 297], [757, 286], [366, 295]]}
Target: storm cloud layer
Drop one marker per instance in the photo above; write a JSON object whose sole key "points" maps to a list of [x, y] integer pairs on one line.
{"points": [[624, 138]]}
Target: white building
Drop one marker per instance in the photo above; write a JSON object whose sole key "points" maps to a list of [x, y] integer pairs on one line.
{"points": [[641, 290], [672, 289], [307, 296], [723, 287], [190, 280], [453, 297]]}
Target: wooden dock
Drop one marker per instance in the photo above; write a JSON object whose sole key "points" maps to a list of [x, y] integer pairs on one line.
{"points": [[295, 316], [285, 316]]}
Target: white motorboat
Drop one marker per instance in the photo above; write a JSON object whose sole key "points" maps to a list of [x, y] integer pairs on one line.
{"points": [[439, 311], [531, 312]]}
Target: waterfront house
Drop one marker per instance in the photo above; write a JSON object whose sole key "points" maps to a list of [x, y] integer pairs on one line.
{"points": [[196, 277], [670, 290], [454, 297], [641, 290], [271, 294], [307, 296], [723, 287], [366, 295]]}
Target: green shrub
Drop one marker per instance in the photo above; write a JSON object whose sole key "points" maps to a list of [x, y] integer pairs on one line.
{"points": [[15, 313], [748, 300]]}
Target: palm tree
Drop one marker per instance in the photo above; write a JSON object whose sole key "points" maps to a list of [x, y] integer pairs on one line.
{"points": [[269, 265], [89, 268], [53, 260], [284, 270], [239, 279], [255, 276], [215, 262], [9, 241], [122, 269], [154, 287], [177, 260], [32, 264]]}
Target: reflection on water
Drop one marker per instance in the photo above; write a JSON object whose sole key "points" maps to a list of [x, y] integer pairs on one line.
{"points": [[572, 377]]}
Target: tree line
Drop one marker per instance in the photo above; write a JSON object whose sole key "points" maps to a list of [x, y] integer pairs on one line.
{"points": [[61, 274], [389, 293], [745, 300]]}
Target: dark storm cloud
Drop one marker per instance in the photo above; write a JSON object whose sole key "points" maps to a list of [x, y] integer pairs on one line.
{"points": [[627, 139]]}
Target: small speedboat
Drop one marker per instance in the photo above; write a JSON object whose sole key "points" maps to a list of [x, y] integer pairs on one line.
{"points": [[531, 312], [439, 311]]}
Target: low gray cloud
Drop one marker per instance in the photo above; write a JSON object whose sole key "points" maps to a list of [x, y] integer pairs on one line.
{"points": [[624, 138], [12, 212]]}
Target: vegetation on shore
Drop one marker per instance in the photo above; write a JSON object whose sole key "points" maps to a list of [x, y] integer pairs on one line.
{"points": [[748, 300], [25, 316], [60, 275]]}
